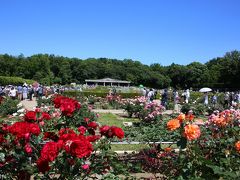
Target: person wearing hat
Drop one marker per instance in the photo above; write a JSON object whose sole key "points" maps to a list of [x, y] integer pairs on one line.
{"points": [[226, 99], [13, 93], [20, 92], [25, 92], [142, 90]]}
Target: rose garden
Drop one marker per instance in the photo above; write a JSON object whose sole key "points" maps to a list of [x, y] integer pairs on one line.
{"points": [[64, 138]]}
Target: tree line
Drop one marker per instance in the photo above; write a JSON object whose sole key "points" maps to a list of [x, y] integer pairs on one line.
{"points": [[220, 72]]}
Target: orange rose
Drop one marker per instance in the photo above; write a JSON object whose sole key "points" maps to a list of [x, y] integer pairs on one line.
{"points": [[190, 117], [173, 124], [167, 149], [181, 117], [220, 121], [237, 146], [192, 132]]}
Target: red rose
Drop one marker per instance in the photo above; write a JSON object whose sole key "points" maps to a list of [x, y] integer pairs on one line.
{"points": [[86, 119], [38, 110], [30, 115], [50, 135], [20, 129], [79, 147], [65, 131], [68, 135], [2, 139], [58, 101], [43, 165], [45, 116], [82, 130], [77, 104], [104, 130], [41, 123], [93, 138], [49, 151], [60, 144], [93, 125], [67, 108], [34, 129], [27, 137], [85, 167], [28, 148], [71, 161], [117, 132]]}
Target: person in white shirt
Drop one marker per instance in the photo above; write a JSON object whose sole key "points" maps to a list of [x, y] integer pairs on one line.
{"points": [[150, 95], [187, 96], [13, 93]]}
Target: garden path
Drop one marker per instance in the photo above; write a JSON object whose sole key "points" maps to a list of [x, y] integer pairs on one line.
{"points": [[29, 105]]}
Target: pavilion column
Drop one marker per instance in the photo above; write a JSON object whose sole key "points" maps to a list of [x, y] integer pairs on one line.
{"points": [[111, 84], [103, 83]]}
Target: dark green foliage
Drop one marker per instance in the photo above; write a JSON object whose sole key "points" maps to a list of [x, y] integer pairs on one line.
{"points": [[8, 106], [198, 109], [47, 102], [221, 72], [4, 80], [97, 94]]}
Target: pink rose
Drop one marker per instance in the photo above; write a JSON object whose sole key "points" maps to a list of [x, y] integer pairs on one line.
{"points": [[85, 166]]}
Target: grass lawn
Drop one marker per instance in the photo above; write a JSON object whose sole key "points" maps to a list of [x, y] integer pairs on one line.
{"points": [[128, 147], [114, 120], [137, 147]]}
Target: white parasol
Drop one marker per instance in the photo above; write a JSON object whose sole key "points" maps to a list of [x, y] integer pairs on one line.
{"points": [[205, 89]]}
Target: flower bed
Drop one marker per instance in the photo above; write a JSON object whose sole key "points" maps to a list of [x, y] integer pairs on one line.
{"points": [[208, 149], [60, 140], [66, 140]]}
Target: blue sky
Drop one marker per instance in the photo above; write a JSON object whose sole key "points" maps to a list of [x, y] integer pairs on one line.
{"points": [[150, 31]]}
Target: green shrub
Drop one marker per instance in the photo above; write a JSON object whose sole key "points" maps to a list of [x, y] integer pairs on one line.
{"points": [[195, 96], [220, 98], [170, 106], [46, 102], [97, 94], [8, 106], [5, 80], [198, 109], [185, 108]]}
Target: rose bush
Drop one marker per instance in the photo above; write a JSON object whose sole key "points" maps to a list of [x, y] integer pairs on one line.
{"points": [[62, 142], [134, 106], [210, 149]]}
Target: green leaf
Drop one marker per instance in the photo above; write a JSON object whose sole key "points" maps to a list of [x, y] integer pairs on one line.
{"points": [[182, 143], [2, 157]]}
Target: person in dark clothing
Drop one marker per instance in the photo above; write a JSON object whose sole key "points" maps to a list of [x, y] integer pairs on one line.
{"points": [[164, 98], [31, 92]]}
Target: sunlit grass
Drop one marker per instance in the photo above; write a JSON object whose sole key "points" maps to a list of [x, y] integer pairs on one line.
{"points": [[114, 120]]}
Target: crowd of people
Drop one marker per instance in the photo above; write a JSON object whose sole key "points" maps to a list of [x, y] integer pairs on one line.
{"points": [[165, 96], [23, 92]]}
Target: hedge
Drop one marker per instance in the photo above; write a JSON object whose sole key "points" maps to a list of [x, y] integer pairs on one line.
{"points": [[98, 94], [5, 80]]}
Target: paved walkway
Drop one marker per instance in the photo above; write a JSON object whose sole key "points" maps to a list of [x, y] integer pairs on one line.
{"points": [[29, 105]]}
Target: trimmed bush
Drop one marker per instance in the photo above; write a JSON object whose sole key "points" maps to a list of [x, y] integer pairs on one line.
{"points": [[98, 94], [8, 106], [5, 80]]}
